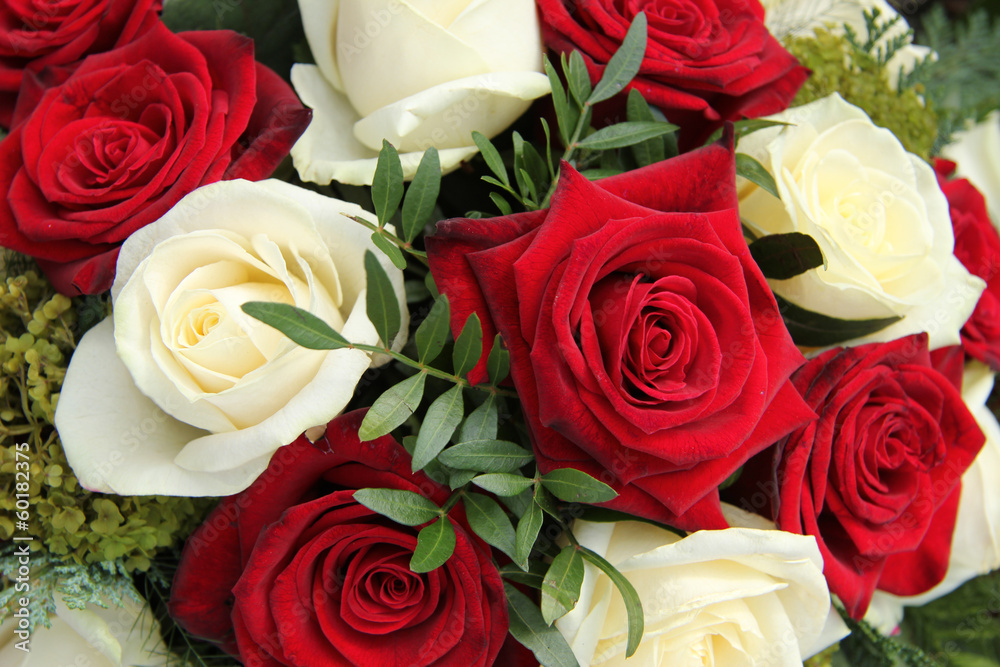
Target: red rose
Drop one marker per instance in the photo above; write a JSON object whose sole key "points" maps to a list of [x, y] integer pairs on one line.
{"points": [[977, 246], [645, 345], [294, 571], [706, 61], [877, 478], [59, 33], [111, 146]]}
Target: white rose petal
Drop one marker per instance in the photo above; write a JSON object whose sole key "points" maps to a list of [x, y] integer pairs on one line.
{"points": [[977, 154], [415, 73], [188, 395], [876, 212], [740, 596]]}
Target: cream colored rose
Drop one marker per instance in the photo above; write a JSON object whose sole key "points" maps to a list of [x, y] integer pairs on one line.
{"points": [[184, 394], [800, 18], [977, 153], [418, 73], [733, 597], [116, 636], [876, 212]]}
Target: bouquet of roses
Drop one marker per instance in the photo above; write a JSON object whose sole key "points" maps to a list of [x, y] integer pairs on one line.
{"points": [[394, 332]]}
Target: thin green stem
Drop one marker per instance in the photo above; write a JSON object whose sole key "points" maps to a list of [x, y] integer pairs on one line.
{"points": [[406, 246]]}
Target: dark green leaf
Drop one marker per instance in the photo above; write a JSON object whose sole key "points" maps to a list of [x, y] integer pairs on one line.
{"points": [[625, 134], [548, 149], [545, 500], [598, 174], [502, 483], [561, 588], [811, 329], [566, 117], [578, 78], [432, 334], [535, 166], [486, 456], [498, 363], [390, 249], [624, 65], [574, 486], [518, 504], [488, 520], [468, 346], [529, 628], [501, 203], [431, 286], [301, 326], [533, 577], [492, 157], [633, 605], [481, 424], [405, 507], [532, 190], [387, 188], [649, 151], [460, 478], [784, 256], [418, 205], [754, 171], [443, 417], [527, 532], [393, 407], [383, 306], [416, 291], [745, 127], [435, 545]]}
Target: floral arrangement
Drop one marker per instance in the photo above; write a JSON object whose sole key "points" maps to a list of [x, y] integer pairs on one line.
{"points": [[498, 332]]}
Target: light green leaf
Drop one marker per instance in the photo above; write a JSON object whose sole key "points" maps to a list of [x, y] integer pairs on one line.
{"points": [[301, 326], [492, 157], [754, 171], [443, 417], [502, 483], [387, 188], [574, 486], [528, 627], [482, 423], [390, 249], [624, 65], [488, 520], [486, 456], [527, 533], [625, 134], [432, 334], [435, 545], [578, 78], [393, 407], [468, 346], [561, 587], [418, 205], [405, 507], [633, 605], [381, 301]]}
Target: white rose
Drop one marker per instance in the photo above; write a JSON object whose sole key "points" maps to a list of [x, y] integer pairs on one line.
{"points": [[975, 544], [800, 18], [876, 212], [977, 153], [731, 597], [116, 636], [187, 395], [418, 73]]}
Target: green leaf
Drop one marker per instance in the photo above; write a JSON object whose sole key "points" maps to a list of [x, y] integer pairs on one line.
{"points": [[637, 110], [468, 346], [578, 78], [566, 117], [488, 520], [534, 165], [518, 504], [533, 576], [633, 605], [574, 486], [443, 417], [754, 171], [784, 256], [531, 196], [393, 407], [481, 424], [501, 203], [418, 205], [387, 188], [598, 174], [548, 149], [527, 532], [502, 483], [625, 134], [435, 545], [301, 326], [624, 65], [545, 500], [748, 126], [498, 363], [811, 329], [432, 334], [528, 627], [561, 588], [486, 456], [390, 249], [492, 157], [381, 301], [460, 478], [405, 507]]}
